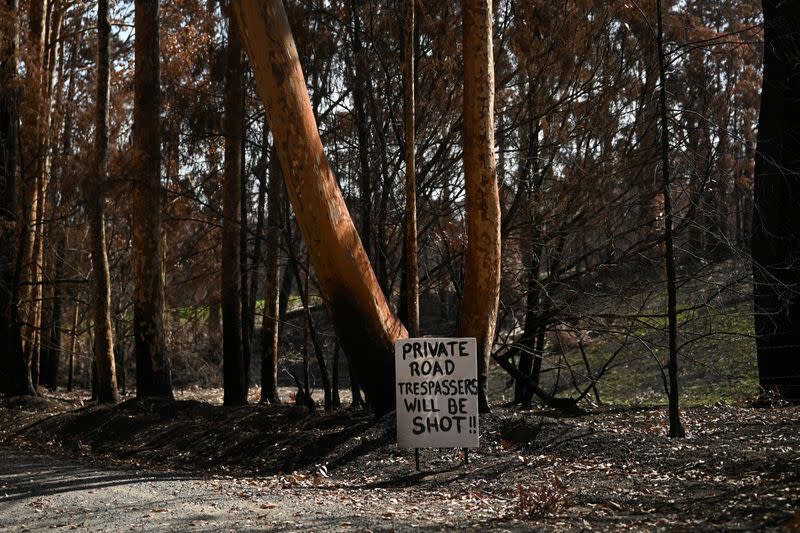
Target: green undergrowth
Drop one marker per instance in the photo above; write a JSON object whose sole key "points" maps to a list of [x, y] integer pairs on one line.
{"points": [[716, 358]]}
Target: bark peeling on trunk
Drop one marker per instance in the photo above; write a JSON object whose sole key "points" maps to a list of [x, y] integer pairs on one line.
{"points": [[478, 313], [364, 323]]}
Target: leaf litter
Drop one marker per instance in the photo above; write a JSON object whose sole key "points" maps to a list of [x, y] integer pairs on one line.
{"points": [[611, 469]]}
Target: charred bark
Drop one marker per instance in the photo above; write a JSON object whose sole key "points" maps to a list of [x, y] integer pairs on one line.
{"points": [[14, 377], [410, 285], [776, 218], [235, 389], [271, 331], [95, 199], [152, 363]]}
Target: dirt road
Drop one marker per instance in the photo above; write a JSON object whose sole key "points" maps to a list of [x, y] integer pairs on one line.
{"points": [[39, 493]]}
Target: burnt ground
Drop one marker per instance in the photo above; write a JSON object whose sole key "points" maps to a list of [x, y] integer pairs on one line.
{"points": [[609, 469]]}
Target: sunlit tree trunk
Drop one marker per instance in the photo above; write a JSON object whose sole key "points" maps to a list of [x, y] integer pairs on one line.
{"points": [[95, 213], [776, 217], [30, 199], [152, 364], [364, 323], [232, 357], [478, 313]]}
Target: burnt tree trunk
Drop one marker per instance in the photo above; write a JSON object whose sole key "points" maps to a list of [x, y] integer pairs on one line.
{"points": [[776, 217], [152, 364], [95, 199], [29, 197], [675, 427], [235, 389], [14, 373], [358, 77], [271, 321], [410, 283]]}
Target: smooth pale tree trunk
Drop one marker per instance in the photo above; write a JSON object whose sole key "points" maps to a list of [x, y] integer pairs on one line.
{"points": [[152, 364], [14, 375], [235, 391], [270, 326], [95, 199], [478, 313], [776, 217], [411, 274], [363, 321]]}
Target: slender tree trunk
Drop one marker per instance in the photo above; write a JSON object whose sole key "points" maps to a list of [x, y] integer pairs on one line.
{"points": [[28, 197], [675, 427], [358, 82], [73, 345], [44, 141], [364, 323], [245, 273], [95, 199], [51, 364], [233, 359], [153, 376], [271, 331], [260, 170], [776, 217], [410, 250], [478, 312], [336, 401]]}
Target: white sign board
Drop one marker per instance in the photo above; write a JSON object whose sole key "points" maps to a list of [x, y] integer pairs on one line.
{"points": [[437, 392]]}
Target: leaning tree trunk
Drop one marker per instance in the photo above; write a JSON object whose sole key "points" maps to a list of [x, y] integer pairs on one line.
{"points": [[478, 313], [364, 323], [152, 364], [776, 218], [95, 198], [235, 389]]}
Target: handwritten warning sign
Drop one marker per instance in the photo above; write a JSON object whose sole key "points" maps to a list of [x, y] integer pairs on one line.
{"points": [[437, 392]]}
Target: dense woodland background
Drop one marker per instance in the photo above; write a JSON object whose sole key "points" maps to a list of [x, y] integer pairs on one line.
{"points": [[581, 138]]}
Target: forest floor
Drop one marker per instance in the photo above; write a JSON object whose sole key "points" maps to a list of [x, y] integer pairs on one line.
{"points": [[194, 465]]}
